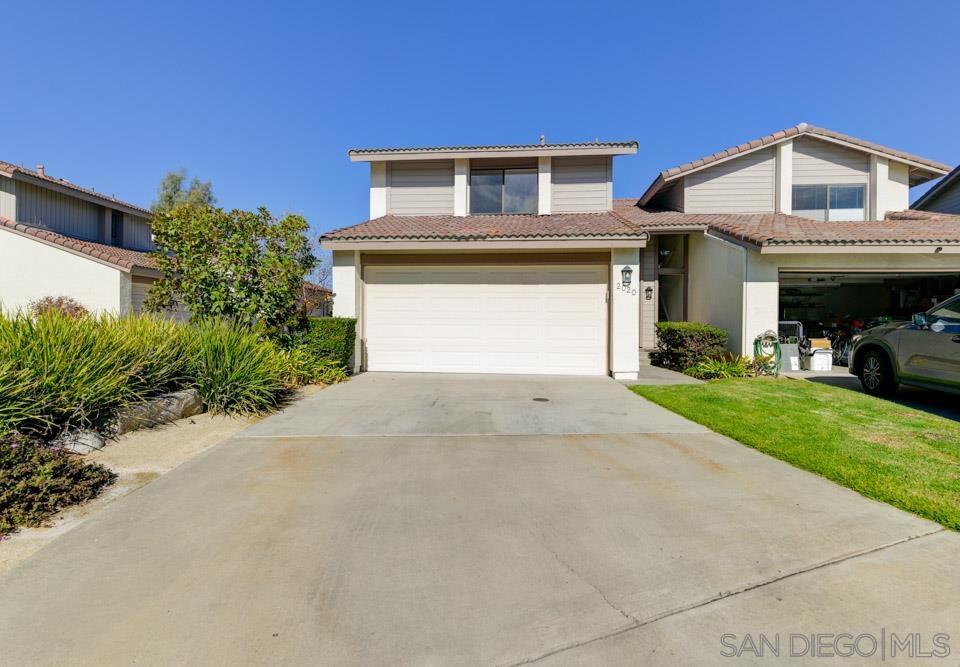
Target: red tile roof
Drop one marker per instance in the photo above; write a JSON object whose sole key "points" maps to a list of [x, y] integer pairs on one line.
{"points": [[629, 220], [121, 258], [486, 227], [316, 290], [938, 168], [770, 229], [11, 168]]}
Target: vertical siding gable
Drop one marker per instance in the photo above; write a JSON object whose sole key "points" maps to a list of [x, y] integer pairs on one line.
{"points": [[746, 184], [57, 211], [581, 184], [818, 162], [420, 187], [137, 234], [8, 198]]}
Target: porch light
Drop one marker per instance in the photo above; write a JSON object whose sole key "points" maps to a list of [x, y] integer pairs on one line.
{"points": [[627, 274], [648, 294]]}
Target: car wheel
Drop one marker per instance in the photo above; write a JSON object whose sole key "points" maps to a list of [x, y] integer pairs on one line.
{"points": [[876, 374]]}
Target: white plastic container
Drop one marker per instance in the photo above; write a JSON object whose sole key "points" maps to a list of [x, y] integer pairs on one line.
{"points": [[820, 360]]}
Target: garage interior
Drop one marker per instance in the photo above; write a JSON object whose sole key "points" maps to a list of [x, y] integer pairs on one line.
{"points": [[834, 306]]}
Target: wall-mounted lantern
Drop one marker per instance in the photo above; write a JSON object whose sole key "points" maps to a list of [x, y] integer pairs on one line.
{"points": [[648, 293], [627, 274]]}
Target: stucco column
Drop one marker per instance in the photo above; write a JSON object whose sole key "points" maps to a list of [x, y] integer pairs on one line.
{"points": [[625, 314], [879, 175], [461, 179], [544, 185], [378, 189], [348, 294], [785, 177]]}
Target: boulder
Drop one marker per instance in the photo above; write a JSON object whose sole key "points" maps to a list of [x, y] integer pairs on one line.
{"points": [[79, 442], [160, 410]]}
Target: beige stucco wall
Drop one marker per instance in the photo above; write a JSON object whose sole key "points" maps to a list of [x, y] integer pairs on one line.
{"points": [[761, 289], [716, 285], [31, 270], [738, 289], [625, 314]]}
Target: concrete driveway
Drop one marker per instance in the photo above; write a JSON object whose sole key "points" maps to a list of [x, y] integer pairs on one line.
{"points": [[433, 520]]}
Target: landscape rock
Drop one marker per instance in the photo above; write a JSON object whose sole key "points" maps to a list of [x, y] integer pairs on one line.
{"points": [[80, 442], [160, 410]]}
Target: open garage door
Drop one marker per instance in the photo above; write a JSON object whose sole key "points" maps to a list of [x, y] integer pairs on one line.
{"points": [[829, 302]]}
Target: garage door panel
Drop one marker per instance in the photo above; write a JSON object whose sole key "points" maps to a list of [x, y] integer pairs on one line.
{"points": [[496, 319]]}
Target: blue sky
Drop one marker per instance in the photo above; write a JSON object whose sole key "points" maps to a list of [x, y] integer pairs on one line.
{"points": [[264, 99]]}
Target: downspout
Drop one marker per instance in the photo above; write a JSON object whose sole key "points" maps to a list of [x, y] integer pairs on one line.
{"points": [[743, 288]]}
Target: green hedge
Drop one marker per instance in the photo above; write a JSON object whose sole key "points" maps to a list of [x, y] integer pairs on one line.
{"points": [[330, 338], [682, 345]]}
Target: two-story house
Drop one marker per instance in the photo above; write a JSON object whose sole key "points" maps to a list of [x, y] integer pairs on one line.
{"points": [[59, 239], [497, 259], [516, 259]]}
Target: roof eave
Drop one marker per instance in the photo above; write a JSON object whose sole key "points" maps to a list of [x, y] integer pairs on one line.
{"points": [[125, 267], [528, 243], [611, 149], [871, 247], [933, 192]]}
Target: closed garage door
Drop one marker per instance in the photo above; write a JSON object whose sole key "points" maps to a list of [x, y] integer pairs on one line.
{"points": [[549, 319]]}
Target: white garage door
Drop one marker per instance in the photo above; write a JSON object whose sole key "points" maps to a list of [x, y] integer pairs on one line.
{"points": [[487, 319]]}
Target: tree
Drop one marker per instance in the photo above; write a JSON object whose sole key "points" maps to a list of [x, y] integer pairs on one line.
{"points": [[173, 192], [244, 265]]}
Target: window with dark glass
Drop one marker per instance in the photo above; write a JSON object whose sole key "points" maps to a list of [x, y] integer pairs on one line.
{"points": [[830, 202], [116, 228], [503, 191], [672, 277]]}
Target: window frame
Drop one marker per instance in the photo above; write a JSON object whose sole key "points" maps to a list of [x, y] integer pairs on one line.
{"points": [[503, 171], [827, 187]]}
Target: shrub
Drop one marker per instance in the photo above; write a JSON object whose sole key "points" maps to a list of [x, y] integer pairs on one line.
{"points": [[69, 371], [60, 304], [682, 345], [236, 370], [36, 481], [329, 337], [306, 368], [720, 368], [59, 372]]}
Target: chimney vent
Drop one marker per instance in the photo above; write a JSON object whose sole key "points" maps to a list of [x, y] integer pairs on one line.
{"points": [[543, 140], [40, 170]]}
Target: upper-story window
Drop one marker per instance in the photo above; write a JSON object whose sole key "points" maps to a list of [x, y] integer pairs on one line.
{"points": [[116, 228], [503, 191], [829, 202]]}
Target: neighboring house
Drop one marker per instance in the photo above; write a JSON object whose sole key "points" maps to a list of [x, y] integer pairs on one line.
{"points": [[516, 259], [317, 300], [59, 239], [944, 197]]}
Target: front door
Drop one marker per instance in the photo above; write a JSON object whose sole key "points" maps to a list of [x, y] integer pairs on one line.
{"points": [[932, 353]]}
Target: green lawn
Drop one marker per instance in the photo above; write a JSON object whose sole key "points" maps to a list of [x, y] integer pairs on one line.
{"points": [[885, 451]]}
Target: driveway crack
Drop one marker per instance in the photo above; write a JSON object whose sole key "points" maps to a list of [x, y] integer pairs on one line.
{"points": [[592, 585], [638, 623]]}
